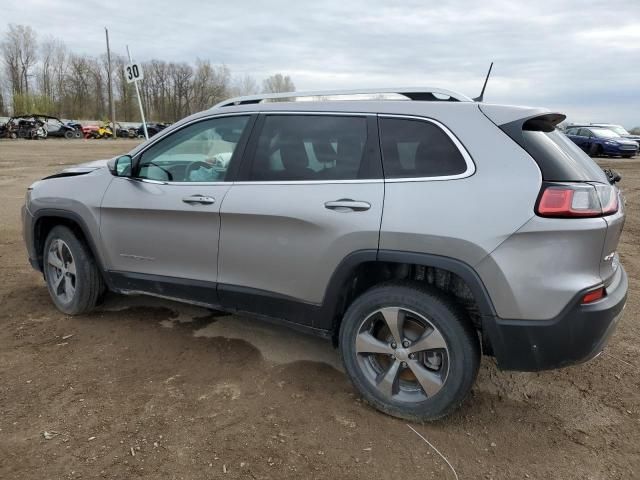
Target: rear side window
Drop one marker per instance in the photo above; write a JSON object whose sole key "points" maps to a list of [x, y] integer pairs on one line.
{"points": [[559, 158], [310, 147], [416, 148]]}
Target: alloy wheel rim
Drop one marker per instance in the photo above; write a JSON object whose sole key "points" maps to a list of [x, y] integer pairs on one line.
{"points": [[402, 354], [61, 271]]}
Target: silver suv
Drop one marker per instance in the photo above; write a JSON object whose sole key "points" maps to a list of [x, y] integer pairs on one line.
{"points": [[416, 231]]}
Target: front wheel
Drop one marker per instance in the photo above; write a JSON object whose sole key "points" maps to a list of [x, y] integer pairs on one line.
{"points": [[409, 351], [71, 273]]}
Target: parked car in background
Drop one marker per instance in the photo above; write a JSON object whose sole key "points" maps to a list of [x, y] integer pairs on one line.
{"points": [[152, 129], [598, 141], [57, 128], [25, 126], [126, 132]]}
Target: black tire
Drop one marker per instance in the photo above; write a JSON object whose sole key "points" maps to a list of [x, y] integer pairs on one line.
{"points": [[77, 134], [88, 282], [449, 320], [627, 156], [69, 134]]}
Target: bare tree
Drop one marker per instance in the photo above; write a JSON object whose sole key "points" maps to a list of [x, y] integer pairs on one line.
{"points": [[74, 86], [180, 100], [278, 83], [11, 57], [123, 91], [210, 85], [245, 85], [19, 50]]}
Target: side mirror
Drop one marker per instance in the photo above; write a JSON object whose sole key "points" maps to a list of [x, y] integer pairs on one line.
{"points": [[120, 166]]}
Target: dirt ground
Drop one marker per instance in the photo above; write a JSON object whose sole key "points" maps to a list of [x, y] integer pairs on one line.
{"points": [[152, 389]]}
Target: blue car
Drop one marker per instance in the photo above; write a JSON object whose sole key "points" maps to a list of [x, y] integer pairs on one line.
{"points": [[598, 141]]}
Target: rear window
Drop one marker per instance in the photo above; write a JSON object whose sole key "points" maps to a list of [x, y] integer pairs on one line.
{"points": [[417, 148], [560, 159]]}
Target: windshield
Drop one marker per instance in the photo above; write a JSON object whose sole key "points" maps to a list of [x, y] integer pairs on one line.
{"points": [[604, 133], [619, 130]]}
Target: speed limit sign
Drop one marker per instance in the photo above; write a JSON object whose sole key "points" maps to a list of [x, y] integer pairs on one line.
{"points": [[133, 72]]}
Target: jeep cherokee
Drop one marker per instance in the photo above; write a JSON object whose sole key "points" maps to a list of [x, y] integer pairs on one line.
{"points": [[416, 230]]}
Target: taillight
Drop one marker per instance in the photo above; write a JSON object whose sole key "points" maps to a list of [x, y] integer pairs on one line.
{"points": [[577, 200]]}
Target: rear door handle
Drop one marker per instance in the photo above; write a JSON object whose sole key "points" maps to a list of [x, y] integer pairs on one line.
{"points": [[347, 205], [200, 199]]}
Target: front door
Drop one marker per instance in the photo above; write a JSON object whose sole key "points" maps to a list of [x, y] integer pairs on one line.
{"points": [[311, 194], [162, 225]]}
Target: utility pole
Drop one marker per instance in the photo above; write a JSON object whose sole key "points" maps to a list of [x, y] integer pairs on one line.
{"points": [[112, 103], [144, 122]]}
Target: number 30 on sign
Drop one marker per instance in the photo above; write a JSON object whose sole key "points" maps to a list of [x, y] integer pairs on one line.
{"points": [[133, 72]]}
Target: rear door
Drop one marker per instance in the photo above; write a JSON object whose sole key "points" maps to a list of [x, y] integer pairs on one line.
{"points": [[163, 224], [310, 194]]}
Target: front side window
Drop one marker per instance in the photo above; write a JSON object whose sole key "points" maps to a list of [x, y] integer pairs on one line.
{"points": [[310, 147], [416, 148], [197, 153]]}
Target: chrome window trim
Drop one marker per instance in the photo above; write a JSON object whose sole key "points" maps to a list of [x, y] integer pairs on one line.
{"points": [[308, 182], [274, 182], [306, 112], [471, 166]]}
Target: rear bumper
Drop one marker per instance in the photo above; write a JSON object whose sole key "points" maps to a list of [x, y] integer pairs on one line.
{"points": [[576, 335]]}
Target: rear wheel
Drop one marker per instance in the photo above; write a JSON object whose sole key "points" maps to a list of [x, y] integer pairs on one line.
{"points": [[409, 351], [71, 273]]}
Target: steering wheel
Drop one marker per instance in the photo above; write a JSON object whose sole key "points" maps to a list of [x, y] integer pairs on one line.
{"points": [[195, 166]]}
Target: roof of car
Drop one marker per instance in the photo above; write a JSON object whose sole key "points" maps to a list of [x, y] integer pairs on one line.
{"points": [[405, 100], [421, 105]]}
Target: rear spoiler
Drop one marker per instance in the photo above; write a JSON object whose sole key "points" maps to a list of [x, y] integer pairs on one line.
{"points": [[537, 118], [556, 164]]}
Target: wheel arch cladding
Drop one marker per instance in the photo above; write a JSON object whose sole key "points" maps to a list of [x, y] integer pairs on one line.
{"points": [[337, 295], [45, 220]]}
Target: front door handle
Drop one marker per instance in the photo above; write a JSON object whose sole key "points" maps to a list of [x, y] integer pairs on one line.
{"points": [[200, 199], [347, 205]]}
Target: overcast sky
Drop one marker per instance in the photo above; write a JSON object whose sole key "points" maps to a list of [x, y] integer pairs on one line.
{"points": [[580, 57]]}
